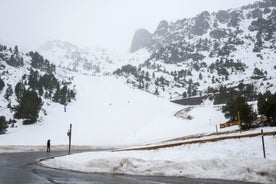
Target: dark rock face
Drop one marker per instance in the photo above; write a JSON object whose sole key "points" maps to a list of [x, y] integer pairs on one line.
{"points": [[223, 16], [193, 56], [183, 38], [235, 19], [201, 24], [140, 40], [267, 10], [162, 28], [218, 33], [256, 13], [258, 25], [266, 27]]}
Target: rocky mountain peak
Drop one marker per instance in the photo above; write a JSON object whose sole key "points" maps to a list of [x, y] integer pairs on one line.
{"points": [[222, 16], [193, 55], [201, 25], [140, 40], [162, 28]]}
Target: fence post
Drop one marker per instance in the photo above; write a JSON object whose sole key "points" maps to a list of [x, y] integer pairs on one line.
{"points": [[70, 134], [239, 119], [263, 142]]}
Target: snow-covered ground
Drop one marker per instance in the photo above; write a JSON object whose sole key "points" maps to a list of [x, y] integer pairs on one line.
{"points": [[239, 159], [106, 112], [109, 113]]}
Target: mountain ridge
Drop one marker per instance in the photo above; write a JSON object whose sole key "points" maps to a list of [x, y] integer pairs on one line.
{"points": [[224, 48]]}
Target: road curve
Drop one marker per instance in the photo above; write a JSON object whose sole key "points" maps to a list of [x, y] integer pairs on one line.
{"points": [[23, 168]]}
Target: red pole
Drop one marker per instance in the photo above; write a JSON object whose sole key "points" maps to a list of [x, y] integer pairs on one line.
{"points": [[70, 134], [263, 142]]}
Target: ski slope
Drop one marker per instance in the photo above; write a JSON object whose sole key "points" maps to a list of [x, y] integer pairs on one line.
{"points": [[107, 112]]}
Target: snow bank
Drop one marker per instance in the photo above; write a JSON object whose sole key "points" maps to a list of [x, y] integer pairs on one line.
{"points": [[30, 148], [238, 159]]}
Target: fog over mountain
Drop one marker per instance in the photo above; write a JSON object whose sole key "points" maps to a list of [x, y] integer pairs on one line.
{"points": [[102, 23]]}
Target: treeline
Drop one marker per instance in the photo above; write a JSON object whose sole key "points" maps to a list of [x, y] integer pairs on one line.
{"points": [[49, 86], [266, 104], [11, 56], [38, 62], [223, 93], [30, 90], [38, 84]]}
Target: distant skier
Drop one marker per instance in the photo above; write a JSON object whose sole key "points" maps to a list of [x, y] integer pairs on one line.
{"points": [[48, 145]]}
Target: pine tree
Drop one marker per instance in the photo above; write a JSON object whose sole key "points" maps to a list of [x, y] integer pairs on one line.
{"points": [[184, 95], [56, 96], [267, 105], [2, 84], [200, 76], [156, 91], [29, 107], [33, 79], [16, 50], [19, 90], [147, 85], [147, 76], [190, 87], [233, 105], [3, 125], [48, 81], [63, 95], [9, 92]]}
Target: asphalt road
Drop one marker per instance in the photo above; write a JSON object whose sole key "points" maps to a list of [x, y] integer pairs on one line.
{"points": [[23, 168]]}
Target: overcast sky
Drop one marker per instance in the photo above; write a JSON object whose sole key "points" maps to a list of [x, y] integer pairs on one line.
{"points": [[102, 23]]}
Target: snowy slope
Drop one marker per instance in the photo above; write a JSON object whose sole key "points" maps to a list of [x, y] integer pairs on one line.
{"points": [[107, 112]]}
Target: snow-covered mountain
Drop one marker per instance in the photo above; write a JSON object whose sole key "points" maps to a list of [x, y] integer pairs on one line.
{"points": [[84, 60], [28, 84], [195, 56], [95, 61]]}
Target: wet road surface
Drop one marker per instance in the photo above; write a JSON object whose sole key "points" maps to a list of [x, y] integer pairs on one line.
{"points": [[21, 168]]}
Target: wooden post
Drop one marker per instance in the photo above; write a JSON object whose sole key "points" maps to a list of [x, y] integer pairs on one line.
{"points": [[217, 129], [70, 134], [263, 142], [239, 119]]}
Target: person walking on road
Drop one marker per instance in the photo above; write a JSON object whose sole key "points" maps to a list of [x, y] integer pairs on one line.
{"points": [[48, 145]]}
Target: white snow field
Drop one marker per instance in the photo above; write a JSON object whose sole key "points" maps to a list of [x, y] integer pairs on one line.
{"points": [[239, 159], [109, 113]]}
